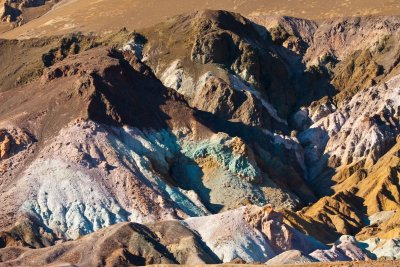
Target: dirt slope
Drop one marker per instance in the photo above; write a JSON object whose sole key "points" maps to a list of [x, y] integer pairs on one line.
{"points": [[108, 15]]}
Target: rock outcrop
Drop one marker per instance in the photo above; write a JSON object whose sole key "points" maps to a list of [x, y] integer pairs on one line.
{"points": [[147, 155], [5, 145], [344, 249], [166, 242], [13, 141], [271, 224], [231, 233], [177, 138], [27, 232]]}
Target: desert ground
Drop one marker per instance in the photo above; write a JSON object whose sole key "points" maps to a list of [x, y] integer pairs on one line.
{"points": [[105, 15]]}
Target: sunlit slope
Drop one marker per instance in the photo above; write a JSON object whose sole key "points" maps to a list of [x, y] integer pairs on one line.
{"points": [[108, 15]]}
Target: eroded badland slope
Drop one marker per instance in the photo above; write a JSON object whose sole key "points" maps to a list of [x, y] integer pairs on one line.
{"points": [[207, 138]]}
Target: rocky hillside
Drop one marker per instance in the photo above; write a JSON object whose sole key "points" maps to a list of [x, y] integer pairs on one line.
{"points": [[207, 138]]}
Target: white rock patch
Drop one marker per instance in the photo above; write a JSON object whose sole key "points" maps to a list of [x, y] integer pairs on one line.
{"points": [[70, 201]]}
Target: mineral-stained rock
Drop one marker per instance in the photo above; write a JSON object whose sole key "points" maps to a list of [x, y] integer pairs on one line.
{"points": [[345, 249], [146, 150], [291, 257], [266, 234], [382, 248], [193, 241], [271, 224], [299, 114], [385, 230]]}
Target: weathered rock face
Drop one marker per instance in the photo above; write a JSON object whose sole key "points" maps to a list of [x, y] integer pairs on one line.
{"points": [[5, 145], [12, 141], [383, 248], [241, 115], [121, 245], [2, 9], [271, 224], [17, 144], [349, 139], [245, 51], [184, 242], [385, 228], [294, 34], [214, 48], [342, 37], [219, 98], [203, 240], [220, 40], [84, 91], [345, 249], [27, 232], [361, 148], [266, 234], [146, 151], [342, 136]]}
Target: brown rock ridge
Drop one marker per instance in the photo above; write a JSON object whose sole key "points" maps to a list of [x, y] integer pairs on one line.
{"points": [[24, 61], [162, 242], [124, 244], [251, 57], [84, 87], [27, 232], [222, 100]]}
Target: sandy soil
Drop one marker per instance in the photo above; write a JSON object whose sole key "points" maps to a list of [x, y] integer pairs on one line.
{"points": [[108, 15], [29, 14]]}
